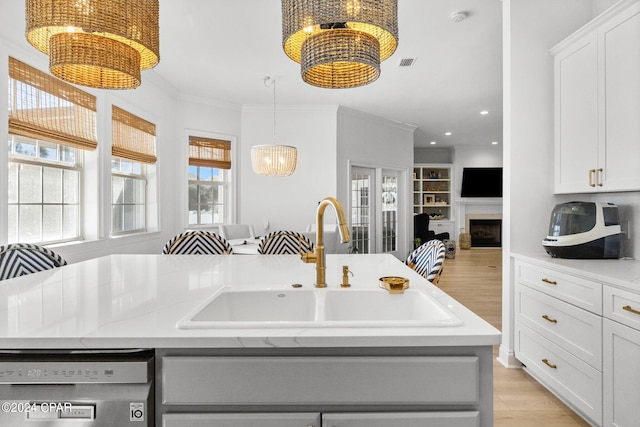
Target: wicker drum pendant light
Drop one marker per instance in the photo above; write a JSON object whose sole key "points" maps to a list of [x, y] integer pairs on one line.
{"points": [[273, 160], [339, 43], [96, 43]]}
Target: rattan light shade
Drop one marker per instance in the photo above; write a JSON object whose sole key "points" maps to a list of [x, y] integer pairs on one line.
{"points": [[274, 160], [304, 20], [96, 43], [340, 59]]}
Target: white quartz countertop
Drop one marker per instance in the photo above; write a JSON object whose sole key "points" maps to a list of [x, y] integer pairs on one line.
{"points": [[620, 273], [133, 301]]}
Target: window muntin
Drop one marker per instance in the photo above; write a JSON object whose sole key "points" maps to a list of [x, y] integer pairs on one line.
{"points": [[43, 191], [128, 196]]}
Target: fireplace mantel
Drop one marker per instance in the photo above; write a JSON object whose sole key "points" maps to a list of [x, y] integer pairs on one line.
{"points": [[480, 207]]}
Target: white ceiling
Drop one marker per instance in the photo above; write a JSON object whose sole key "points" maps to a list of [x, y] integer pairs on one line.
{"points": [[220, 51]]}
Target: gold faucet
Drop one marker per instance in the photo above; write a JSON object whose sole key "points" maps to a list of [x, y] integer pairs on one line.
{"points": [[318, 257]]}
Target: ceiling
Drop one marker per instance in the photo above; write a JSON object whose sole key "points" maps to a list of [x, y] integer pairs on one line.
{"points": [[221, 50]]}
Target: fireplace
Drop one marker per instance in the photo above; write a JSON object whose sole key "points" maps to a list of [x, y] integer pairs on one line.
{"points": [[485, 233]]}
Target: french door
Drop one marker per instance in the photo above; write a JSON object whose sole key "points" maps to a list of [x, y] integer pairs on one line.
{"points": [[374, 209]]}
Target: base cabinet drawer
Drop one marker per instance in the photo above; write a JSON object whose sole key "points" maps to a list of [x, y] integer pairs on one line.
{"points": [[622, 306], [573, 380], [242, 420], [574, 329], [403, 419], [621, 375], [344, 381], [580, 292]]}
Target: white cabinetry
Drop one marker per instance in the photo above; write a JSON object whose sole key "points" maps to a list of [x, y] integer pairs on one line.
{"points": [[621, 355], [432, 188], [449, 387], [558, 334], [597, 104], [580, 337]]}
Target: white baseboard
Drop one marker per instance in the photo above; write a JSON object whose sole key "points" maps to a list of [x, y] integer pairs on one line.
{"points": [[507, 358]]}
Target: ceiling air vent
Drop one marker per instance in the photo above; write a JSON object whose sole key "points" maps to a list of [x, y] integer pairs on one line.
{"points": [[407, 62]]}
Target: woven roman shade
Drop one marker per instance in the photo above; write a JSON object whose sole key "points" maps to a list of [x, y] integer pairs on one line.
{"points": [[208, 152], [133, 138], [46, 108]]}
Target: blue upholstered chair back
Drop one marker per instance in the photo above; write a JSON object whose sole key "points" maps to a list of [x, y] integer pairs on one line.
{"points": [[18, 259], [428, 260], [197, 243], [284, 243]]}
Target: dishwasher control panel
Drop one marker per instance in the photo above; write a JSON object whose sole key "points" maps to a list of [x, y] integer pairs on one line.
{"points": [[39, 372]]}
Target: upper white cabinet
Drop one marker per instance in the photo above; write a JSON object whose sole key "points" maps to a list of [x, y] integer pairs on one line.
{"points": [[597, 104]]}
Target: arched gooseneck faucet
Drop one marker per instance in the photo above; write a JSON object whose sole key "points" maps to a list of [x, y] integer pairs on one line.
{"points": [[318, 257]]}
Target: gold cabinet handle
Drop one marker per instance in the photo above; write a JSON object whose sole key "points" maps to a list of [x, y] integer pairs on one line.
{"points": [[592, 172], [545, 317], [631, 310], [551, 282], [546, 362], [599, 177]]}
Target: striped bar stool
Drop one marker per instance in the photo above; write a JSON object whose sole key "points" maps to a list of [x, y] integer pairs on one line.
{"points": [[197, 243], [428, 260], [18, 259], [284, 243]]}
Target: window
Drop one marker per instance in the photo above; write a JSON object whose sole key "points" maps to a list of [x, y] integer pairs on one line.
{"points": [[128, 196], [51, 123], [133, 151], [43, 191], [209, 168]]}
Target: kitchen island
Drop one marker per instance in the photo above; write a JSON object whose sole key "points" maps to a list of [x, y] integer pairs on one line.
{"points": [[338, 375]]}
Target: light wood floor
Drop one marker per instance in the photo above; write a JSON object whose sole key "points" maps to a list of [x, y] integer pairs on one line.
{"points": [[474, 278]]}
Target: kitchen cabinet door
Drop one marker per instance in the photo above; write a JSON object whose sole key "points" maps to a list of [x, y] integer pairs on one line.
{"points": [[621, 375], [576, 116], [619, 47]]}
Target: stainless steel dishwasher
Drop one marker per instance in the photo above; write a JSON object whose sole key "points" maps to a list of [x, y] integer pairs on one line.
{"points": [[77, 388]]}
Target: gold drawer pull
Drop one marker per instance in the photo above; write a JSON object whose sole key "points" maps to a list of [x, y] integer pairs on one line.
{"points": [[551, 282], [628, 308], [545, 317], [546, 362]]}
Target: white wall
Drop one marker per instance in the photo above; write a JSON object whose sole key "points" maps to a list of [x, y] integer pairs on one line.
{"points": [[433, 155], [366, 140], [530, 30], [288, 203]]}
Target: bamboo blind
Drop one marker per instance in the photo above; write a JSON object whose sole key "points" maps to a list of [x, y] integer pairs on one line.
{"points": [[208, 152], [46, 108], [133, 138]]}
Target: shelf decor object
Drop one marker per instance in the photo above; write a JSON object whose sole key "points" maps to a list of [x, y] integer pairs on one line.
{"points": [[339, 43], [100, 44], [273, 160]]}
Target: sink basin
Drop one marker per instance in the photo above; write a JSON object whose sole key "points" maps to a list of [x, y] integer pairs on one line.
{"points": [[310, 307], [377, 305], [265, 305]]}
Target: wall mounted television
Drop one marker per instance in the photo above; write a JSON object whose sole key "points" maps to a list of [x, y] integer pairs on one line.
{"points": [[481, 182]]}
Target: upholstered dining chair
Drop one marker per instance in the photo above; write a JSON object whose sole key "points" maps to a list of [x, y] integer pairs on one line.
{"points": [[197, 243], [428, 260], [18, 259], [237, 231], [284, 243]]}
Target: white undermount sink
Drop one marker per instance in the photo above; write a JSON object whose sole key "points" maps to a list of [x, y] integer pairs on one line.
{"points": [[311, 307]]}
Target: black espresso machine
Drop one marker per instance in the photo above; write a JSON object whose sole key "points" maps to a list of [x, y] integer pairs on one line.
{"points": [[584, 230]]}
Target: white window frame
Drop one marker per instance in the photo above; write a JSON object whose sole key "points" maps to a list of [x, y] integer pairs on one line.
{"points": [[20, 159], [142, 176]]}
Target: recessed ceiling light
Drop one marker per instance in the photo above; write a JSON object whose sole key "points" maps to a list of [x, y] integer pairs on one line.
{"points": [[494, 143], [432, 143], [447, 133], [484, 112]]}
